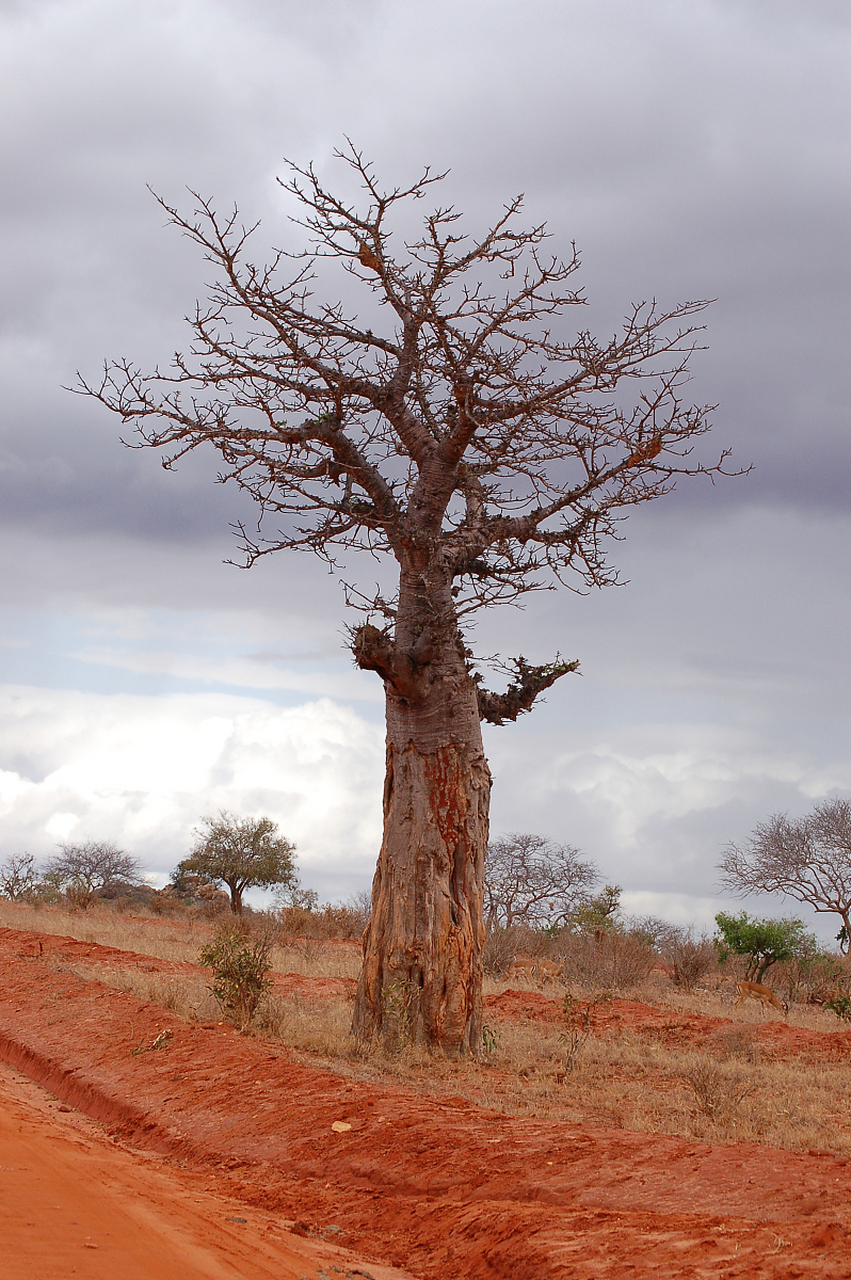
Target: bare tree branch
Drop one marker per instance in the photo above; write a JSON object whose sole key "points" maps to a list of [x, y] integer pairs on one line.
{"points": [[531, 880], [808, 858]]}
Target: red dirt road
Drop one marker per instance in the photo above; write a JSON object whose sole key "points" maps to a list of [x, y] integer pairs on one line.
{"points": [[72, 1204], [441, 1187]]}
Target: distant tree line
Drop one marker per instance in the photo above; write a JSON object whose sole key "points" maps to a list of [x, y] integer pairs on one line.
{"points": [[239, 853]]}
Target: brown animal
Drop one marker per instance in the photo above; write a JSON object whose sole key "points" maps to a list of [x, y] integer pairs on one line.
{"points": [[521, 967], [549, 970], [533, 969], [766, 997]]}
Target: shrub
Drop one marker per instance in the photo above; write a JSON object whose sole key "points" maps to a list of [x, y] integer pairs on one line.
{"points": [[840, 1004], [579, 1017], [503, 944], [343, 923], [690, 957], [817, 977], [240, 968], [612, 961]]}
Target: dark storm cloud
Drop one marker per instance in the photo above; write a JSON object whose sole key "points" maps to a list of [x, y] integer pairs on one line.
{"points": [[692, 150]]}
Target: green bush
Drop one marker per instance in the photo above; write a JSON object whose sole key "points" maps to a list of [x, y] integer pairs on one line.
{"points": [[840, 1003], [240, 968], [762, 942]]}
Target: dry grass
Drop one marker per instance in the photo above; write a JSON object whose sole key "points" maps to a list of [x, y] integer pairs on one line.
{"points": [[179, 938], [165, 938], [730, 1087]]}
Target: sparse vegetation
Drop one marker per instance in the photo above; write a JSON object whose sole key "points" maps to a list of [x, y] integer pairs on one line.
{"points": [[661, 1070], [717, 1090], [240, 972], [578, 1015]]}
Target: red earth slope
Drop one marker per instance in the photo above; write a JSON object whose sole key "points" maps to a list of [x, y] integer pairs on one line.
{"points": [[440, 1187]]}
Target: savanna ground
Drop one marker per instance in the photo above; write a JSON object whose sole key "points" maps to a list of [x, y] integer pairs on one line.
{"points": [[683, 1136]]}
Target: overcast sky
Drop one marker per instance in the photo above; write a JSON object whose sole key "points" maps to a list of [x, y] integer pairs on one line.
{"points": [[692, 149]]}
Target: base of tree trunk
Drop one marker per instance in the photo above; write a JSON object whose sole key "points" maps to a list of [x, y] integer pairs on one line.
{"points": [[421, 981]]}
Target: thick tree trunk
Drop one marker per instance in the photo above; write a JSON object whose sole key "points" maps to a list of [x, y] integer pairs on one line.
{"points": [[422, 971], [421, 981]]}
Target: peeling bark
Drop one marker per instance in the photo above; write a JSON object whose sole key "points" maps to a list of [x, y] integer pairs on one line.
{"points": [[422, 972]]}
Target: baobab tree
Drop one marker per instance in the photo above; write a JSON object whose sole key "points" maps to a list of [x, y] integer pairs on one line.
{"points": [[448, 425]]}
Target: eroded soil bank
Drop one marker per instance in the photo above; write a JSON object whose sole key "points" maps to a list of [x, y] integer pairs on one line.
{"points": [[442, 1188], [74, 1204]]}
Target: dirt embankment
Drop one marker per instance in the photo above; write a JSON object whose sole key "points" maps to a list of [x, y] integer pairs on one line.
{"points": [[74, 1204], [440, 1187]]}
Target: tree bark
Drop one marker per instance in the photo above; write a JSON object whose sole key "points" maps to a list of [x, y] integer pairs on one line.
{"points": [[235, 896], [421, 980]]}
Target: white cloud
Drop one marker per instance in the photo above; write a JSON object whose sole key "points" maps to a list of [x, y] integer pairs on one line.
{"points": [[143, 770]]}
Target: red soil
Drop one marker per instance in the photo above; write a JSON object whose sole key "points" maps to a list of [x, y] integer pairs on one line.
{"points": [[442, 1188], [75, 1204]]}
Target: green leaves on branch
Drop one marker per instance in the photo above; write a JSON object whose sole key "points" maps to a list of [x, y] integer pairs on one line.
{"points": [[242, 853], [762, 942], [240, 968]]}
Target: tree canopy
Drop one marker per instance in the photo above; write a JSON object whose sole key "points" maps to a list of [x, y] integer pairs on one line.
{"points": [[762, 942], [472, 428], [241, 853], [807, 858], [90, 868]]}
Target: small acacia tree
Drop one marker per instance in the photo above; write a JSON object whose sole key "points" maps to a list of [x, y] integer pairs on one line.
{"points": [[242, 853], [601, 914], [807, 858], [87, 869], [762, 942], [534, 881], [446, 422]]}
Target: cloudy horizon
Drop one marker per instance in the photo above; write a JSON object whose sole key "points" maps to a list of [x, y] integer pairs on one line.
{"points": [[692, 150]]}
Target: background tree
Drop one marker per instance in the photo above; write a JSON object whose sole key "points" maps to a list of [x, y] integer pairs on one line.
{"points": [[19, 878], [88, 869], [807, 858], [762, 942], [242, 853], [444, 421], [600, 914], [534, 881]]}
